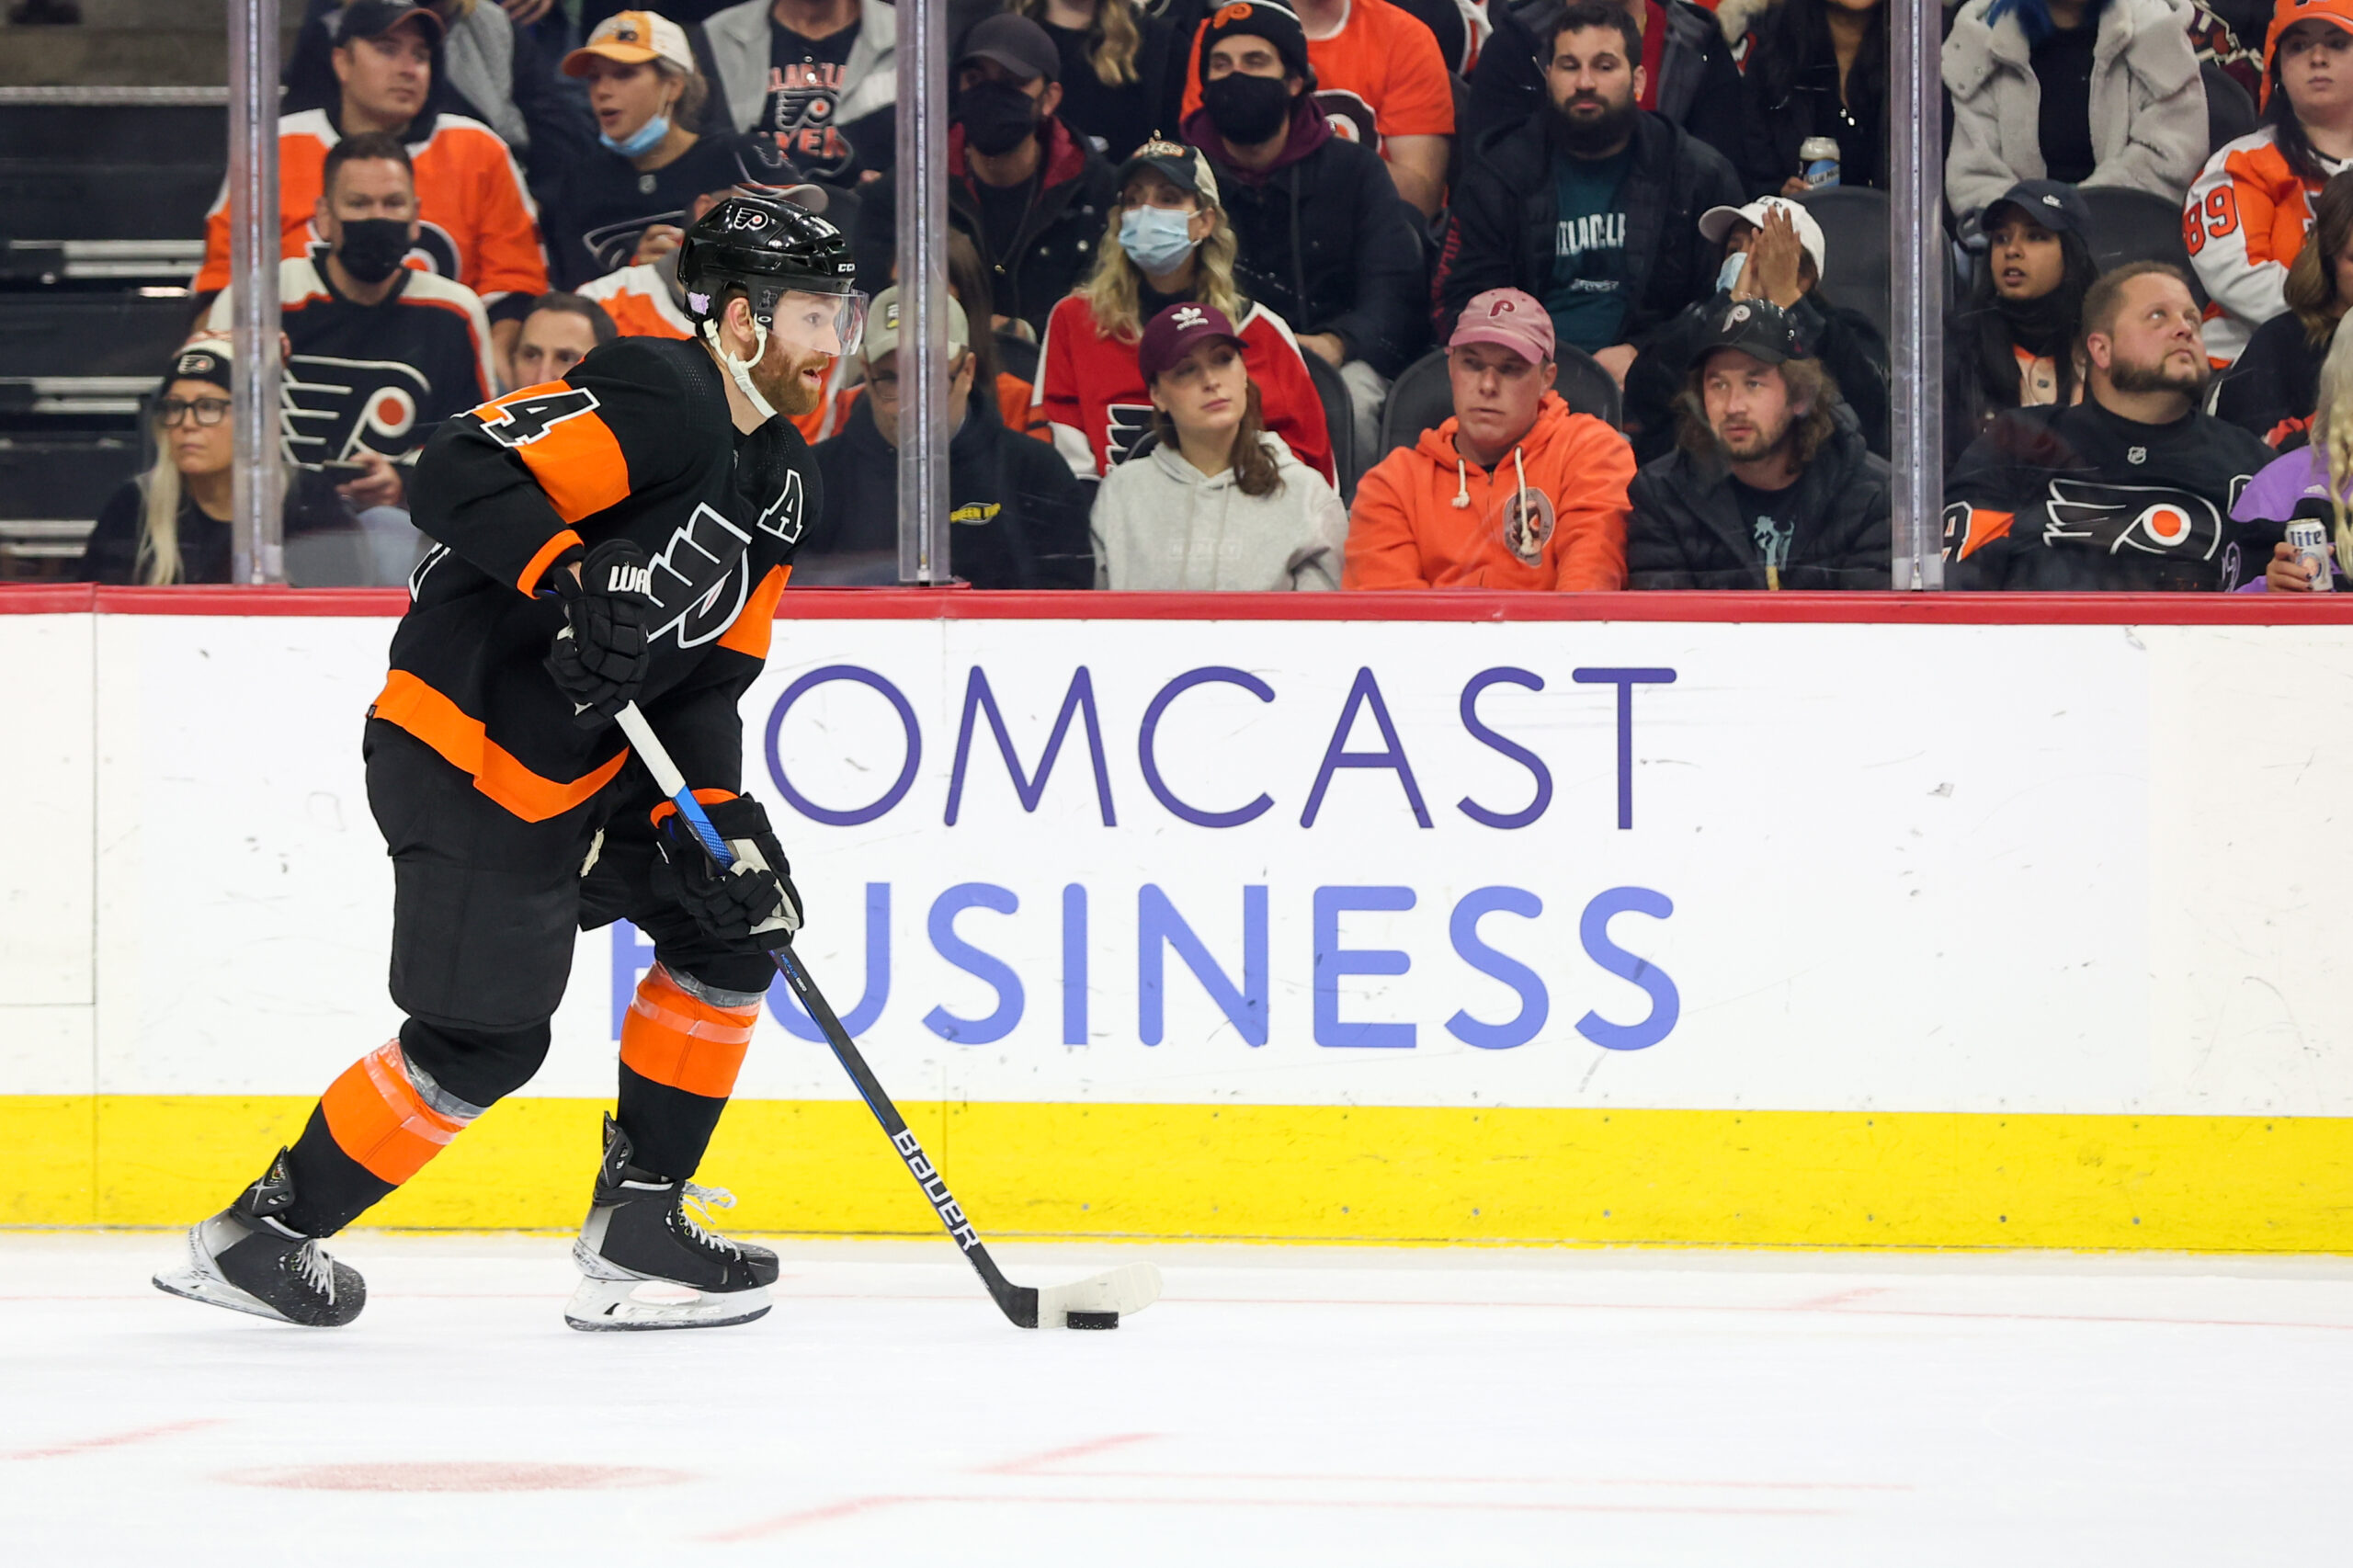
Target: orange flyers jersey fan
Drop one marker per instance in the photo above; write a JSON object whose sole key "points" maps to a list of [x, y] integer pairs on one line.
{"points": [[478, 225], [1385, 58], [2243, 224]]}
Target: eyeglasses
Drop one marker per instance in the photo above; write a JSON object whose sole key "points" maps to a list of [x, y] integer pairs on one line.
{"points": [[208, 409]]}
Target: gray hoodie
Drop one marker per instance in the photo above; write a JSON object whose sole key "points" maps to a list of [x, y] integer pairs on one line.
{"points": [[1160, 523]]}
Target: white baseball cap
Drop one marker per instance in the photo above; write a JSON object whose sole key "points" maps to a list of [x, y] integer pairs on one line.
{"points": [[632, 38], [1717, 222], [883, 325]]}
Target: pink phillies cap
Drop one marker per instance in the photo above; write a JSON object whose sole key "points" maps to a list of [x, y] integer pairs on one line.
{"points": [[1175, 331], [1508, 319]]}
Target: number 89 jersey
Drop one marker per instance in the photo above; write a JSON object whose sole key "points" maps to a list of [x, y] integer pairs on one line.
{"points": [[636, 442]]}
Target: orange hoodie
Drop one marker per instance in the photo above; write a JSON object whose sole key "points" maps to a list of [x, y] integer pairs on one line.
{"points": [[1427, 518]]}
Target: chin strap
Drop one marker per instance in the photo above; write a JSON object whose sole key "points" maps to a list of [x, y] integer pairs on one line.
{"points": [[741, 370]]}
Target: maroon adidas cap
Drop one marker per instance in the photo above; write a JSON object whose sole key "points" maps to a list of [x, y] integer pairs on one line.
{"points": [[1175, 331]]}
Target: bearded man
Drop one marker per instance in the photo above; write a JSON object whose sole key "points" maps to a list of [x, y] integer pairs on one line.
{"points": [[2130, 489], [1592, 206]]}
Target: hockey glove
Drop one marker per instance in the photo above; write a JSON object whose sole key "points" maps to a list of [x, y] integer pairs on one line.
{"points": [[753, 902], [600, 657]]}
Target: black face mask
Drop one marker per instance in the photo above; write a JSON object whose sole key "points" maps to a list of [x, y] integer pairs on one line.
{"points": [[1247, 110], [371, 248], [997, 117]]}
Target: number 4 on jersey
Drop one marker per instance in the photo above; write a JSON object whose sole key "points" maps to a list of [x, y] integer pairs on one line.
{"points": [[521, 419]]}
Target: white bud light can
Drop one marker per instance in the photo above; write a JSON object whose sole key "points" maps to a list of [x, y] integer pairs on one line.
{"points": [[1818, 161], [2310, 541]]}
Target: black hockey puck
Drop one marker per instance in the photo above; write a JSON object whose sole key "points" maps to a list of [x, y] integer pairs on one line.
{"points": [[1090, 1320]]}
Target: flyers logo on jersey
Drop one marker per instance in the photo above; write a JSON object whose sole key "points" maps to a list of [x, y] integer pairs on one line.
{"points": [[2115, 518], [700, 580]]}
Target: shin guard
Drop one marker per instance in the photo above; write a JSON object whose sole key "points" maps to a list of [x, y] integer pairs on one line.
{"points": [[682, 1044]]}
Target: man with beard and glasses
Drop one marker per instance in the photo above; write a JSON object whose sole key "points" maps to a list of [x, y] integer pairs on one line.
{"points": [[1032, 192], [1594, 206], [2129, 489], [620, 535], [377, 354], [1770, 485]]}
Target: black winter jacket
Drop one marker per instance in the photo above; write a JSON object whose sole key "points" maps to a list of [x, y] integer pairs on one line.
{"points": [[1686, 531], [1507, 209], [2274, 387], [1698, 80], [1327, 243], [1018, 516], [1846, 342], [1054, 249]]}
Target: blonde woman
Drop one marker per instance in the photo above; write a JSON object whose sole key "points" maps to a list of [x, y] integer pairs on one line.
{"points": [[171, 524], [1169, 243], [1116, 83]]}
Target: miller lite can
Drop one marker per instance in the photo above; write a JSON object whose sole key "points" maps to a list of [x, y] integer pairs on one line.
{"points": [[1818, 161], [2310, 541]]}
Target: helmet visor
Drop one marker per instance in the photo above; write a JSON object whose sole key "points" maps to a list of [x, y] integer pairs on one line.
{"points": [[820, 324]]}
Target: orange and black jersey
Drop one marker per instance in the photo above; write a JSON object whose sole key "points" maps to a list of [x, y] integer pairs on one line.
{"points": [[2079, 499], [636, 442]]}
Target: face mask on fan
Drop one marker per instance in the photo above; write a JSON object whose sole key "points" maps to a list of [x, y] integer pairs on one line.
{"points": [[371, 248], [649, 136], [1157, 238], [997, 117], [1247, 110]]}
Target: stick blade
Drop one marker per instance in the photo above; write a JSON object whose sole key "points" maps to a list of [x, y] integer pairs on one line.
{"points": [[1128, 1289]]}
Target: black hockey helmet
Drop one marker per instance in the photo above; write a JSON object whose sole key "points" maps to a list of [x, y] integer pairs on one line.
{"points": [[768, 248]]}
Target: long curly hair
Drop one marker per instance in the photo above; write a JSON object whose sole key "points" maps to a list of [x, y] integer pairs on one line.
{"points": [[1113, 39], [1113, 292], [1807, 382]]}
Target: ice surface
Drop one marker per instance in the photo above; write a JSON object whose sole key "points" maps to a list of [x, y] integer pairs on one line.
{"points": [[1278, 1406]]}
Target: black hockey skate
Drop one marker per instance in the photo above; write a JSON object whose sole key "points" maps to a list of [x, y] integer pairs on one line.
{"points": [[646, 1262], [245, 1259]]}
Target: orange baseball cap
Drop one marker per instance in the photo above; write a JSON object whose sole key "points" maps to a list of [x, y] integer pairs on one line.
{"points": [[632, 38], [2286, 14]]}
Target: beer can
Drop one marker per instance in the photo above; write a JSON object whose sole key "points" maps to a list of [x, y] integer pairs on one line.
{"points": [[1818, 161], [2310, 541]]}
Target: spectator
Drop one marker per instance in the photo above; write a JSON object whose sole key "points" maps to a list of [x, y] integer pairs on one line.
{"points": [[1513, 490], [1324, 238], [1773, 251], [473, 222], [172, 523], [2250, 207], [2275, 385], [1217, 502], [378, 354], [1020, 519], [820, 76], [1772, 486], [2223, 33], [2309, 484], [2085, 91], [1170, 242], [1690, 69], [1030, 190], [488, 68], [1818, 68], [2013, 343], [968, 285], [625, 202], [1377, 69], [1116, 77], [561, 331], [1594, 207], [2125, 489]]}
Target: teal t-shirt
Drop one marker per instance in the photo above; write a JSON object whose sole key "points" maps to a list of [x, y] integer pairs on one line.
{"points": [[1587, 299]]}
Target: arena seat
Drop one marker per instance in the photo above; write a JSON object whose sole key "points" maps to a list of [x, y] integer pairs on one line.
{"points": [[2230, 108], [1339, 420], [1857, 231], [2137, 225]]}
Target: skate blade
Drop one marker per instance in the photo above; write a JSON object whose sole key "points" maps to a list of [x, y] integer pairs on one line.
{"points": [[1128, 1289], [607, 1306], [196, 1285]]}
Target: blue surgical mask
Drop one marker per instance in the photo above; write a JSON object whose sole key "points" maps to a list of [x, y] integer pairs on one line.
{"points": [[649, 136], [1728, 275], [1156, 238]]}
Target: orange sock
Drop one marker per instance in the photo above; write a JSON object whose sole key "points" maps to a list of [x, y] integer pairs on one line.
{"points": [[378, 1117], [674, 1038]]}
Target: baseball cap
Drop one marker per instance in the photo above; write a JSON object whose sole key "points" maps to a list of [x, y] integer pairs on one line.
{"points": [[1174, 331], [1016, 42], [1758, 328], [2286, 14], [374, 18], [883, 325], [1507, 318], [208, 360], [1717, 222], [1279, 25], [2054, 204], [632, 38], [1185, 166]]}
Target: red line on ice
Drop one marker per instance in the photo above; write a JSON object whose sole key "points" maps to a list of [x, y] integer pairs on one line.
{"points": [[1031, 1464], [112, 1440]]}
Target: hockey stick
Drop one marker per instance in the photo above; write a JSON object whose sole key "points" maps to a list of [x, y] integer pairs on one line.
{"points": [[1098, 1301]]}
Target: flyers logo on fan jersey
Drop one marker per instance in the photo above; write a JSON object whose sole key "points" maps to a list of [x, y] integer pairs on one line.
{"points": [[334, 407], [1124, 426], [2115, 518]]}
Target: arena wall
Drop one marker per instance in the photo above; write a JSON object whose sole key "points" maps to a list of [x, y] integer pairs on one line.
{"points": [[1740, 919]]}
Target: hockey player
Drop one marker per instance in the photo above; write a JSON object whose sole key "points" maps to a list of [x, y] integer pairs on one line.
{"points": [[619, 534]]}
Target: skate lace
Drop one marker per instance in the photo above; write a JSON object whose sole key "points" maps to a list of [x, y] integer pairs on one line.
{"points": [[694, 1214], [316, 1268]]}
